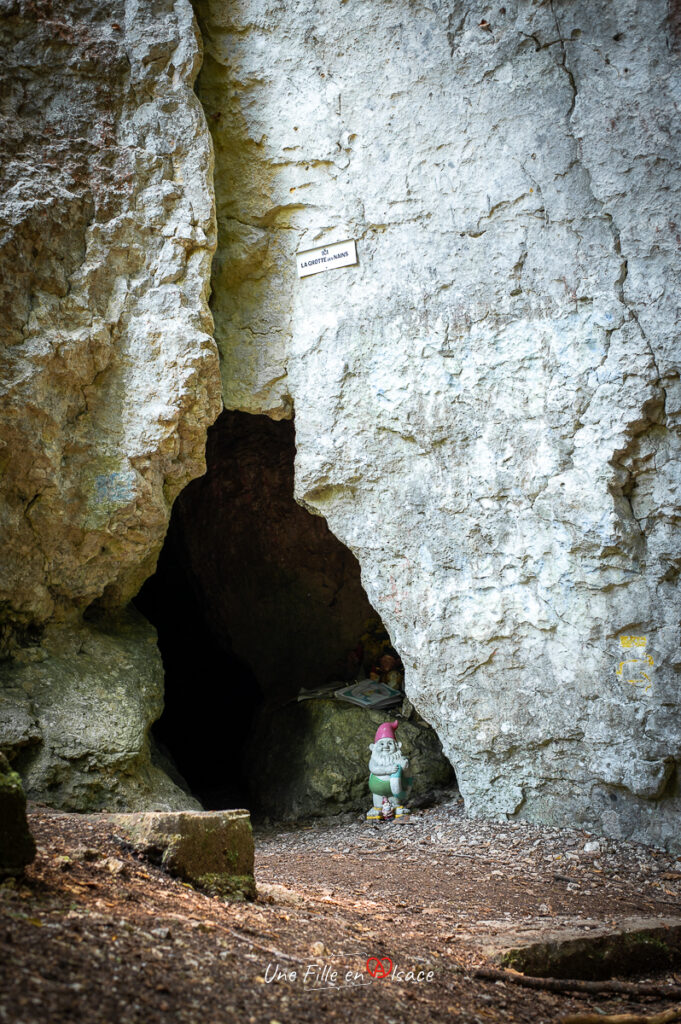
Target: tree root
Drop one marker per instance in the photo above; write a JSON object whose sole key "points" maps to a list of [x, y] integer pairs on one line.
{"points": [[628, 988], [277, 953], [623, 1018]]}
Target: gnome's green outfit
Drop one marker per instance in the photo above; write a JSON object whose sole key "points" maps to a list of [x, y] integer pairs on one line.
{"points": [[381, 787]]}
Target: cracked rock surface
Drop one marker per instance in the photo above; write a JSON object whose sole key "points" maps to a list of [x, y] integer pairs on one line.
{"points": [[487, 405], [109, 373]]}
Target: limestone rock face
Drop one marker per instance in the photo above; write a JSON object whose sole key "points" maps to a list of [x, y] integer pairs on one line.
{"points": [[75, 712], [109, 372], [108, 375], [487, 405]]}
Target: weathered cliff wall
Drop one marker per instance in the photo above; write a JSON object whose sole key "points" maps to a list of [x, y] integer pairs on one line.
{"points": [[487, 405], [108, 365], [109, 371]]}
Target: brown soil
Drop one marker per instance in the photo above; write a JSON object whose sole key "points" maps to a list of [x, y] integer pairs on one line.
{"points": [[94, 934]]}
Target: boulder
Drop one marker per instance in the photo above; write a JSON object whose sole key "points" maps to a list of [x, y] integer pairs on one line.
{"points": [[17, 846], [212, 850], [75, 714], [312, 758]]}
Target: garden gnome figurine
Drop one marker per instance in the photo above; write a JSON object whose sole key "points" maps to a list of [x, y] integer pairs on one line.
{"points": [[389, 778]]}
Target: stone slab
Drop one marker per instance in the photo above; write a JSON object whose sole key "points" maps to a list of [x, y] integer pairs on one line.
{"points": [[212, 850], [588, 949]]}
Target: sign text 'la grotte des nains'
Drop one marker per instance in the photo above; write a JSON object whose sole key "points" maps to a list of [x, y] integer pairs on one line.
{"points": [[326, 257]]}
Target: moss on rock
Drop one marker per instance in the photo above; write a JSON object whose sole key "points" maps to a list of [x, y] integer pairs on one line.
{"points": [[75, 713], [634, 947]]}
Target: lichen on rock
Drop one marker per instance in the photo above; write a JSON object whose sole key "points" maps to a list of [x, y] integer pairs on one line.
{"points": [[89, 696]]}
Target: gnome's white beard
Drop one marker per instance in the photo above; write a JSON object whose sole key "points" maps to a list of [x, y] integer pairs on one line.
{"points": [[386, 764]]}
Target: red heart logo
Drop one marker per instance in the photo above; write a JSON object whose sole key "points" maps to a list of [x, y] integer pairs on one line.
{"points": [[379, 967]]}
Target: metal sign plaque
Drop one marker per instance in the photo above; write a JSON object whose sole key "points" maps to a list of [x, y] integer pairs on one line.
{"points": [[326, 257]]}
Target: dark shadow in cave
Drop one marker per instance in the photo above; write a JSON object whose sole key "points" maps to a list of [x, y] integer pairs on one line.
{"points": [[208, 690], [252, 599]]}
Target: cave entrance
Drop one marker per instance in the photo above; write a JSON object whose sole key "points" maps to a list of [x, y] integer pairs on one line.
{"points": [[253, 599]]}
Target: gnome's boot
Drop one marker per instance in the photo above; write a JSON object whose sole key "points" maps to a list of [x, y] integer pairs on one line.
{"points": [[374, 814], [401, 813]]}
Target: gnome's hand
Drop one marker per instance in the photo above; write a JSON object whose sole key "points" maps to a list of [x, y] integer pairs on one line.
{"points": [[396, 782]]}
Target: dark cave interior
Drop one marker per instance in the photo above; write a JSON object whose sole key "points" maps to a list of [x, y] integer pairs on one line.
{"points": [[253, 598]]}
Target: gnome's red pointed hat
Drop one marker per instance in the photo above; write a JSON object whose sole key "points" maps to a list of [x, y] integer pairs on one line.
{"points": [[386, 731]]}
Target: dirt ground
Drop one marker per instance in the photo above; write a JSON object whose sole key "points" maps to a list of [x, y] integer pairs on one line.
{"points": [[95, 934]]}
